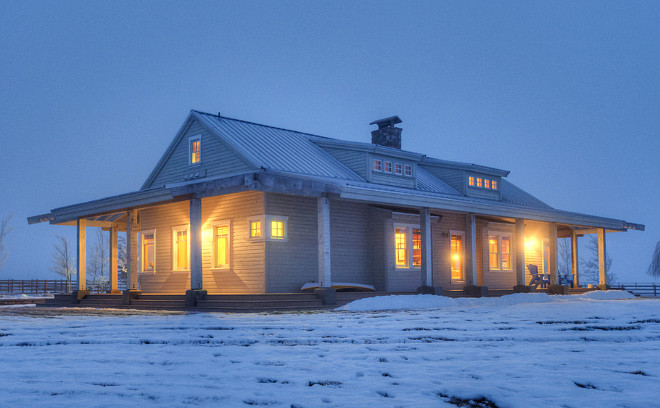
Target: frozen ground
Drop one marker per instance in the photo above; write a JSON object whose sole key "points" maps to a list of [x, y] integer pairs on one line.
{"points": [[516, 351]]}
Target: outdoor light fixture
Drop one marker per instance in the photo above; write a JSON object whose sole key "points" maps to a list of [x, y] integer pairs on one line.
{"points": [[530, 244]]}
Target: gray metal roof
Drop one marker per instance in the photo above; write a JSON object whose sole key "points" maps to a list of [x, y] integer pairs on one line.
{"points": [[514, 195], [428, 182], [274, 148]]}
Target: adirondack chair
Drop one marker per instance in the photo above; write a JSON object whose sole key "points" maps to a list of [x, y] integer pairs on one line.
{"points": [[565, 280], [536, 278]]}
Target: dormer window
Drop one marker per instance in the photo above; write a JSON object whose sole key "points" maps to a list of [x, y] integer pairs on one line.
{"points": [[408, 170], [486, 183], [398, 169], [471, 181], [493, 184], [480, 182], [195, 150], [388, 167], [378, 165]]}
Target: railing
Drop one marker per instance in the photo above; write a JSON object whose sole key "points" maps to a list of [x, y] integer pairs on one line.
{"points": [[640, 289], [36, 286]]}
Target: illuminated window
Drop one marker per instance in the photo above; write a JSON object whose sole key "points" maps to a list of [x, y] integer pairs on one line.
{"points": [[506, 252], [494, 184], [388, 167], [401, 248], [221, 243], [499, 250], [471, 181], [486, 183], [147, 255], [180, 248], [378, 165], [493, 250], [407, 170], [195, 149], [417, 247], [268, 227], [277, 229], [456, 245], [398, 169], [480, 182], [255, 229]]}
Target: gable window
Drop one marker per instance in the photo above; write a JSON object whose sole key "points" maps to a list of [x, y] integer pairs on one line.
{"points": [[195, 149], [456, 249], [180, 248], [388, 167], [398, 169], [378, 165], [407, 246], [147, 250], [221, 245], [499, 251], [408, 170], [471, 181]]}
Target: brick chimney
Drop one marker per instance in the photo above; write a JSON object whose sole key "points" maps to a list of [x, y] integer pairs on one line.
{"points": [[387, 134]]}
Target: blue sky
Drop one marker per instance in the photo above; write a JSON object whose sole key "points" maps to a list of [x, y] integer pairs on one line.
{"points": [[565, 95]]}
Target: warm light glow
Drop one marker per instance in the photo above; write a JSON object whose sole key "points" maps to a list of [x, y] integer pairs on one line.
{"points": [[206, 235], [222, 246], [417, 247], [400, 245], [530, 244], [277, 229], [255, 229], [456, 243], [456, 257], [195, 154]]}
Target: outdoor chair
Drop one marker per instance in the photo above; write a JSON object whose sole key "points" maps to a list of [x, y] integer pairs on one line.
{"points": [[566, 280], [536, 278]]}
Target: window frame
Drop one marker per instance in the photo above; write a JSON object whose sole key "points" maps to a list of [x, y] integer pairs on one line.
{"points": [[140, 238], [398, 169], [462, 255], [175, 248], [191, 140], [378, 166], [266, 230], [216, 225], [409, 246], [407, 170], [387, 164], [499, 235]]}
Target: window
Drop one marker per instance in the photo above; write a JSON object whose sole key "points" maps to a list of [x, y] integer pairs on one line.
{"points": [[195, 149], [147, 250], [499, 250], [378, 165], [277, 229], [486, 183], [456, 249], [494, 184], [480, 182], [408, 170], [221, 245], [270, 227], [180, 248], [255, 229], [471, 181], [407, 246], [398, 169], [388, 167]]}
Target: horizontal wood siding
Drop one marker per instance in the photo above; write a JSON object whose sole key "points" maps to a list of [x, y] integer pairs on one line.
{"points": [[378, 220], [454, 178], [392, 180], [293, 262], [350, 235], [538, 232], [217, 159], [496, 279], [483, 193], [356, 161], [442, 249], [247, 258]]}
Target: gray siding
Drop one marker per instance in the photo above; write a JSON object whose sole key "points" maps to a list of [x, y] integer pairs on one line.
{"points": [[496, 279], [392, 180], [217, 159], [380, 220], [538, 232], [355, 160], [350, 236], [454, 178], [442, 250]]}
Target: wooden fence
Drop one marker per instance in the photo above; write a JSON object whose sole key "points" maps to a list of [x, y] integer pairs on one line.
{"points": [[35, 286], [640, 289]]}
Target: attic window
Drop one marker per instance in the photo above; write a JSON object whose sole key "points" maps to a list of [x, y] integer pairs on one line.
{"points": [[397, 168], [388, 167], [482, 183], [378, 165], [493, 184], [195, 149], [408, 170]]}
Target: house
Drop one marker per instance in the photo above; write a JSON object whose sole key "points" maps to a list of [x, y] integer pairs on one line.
{"points": [[235, 207]]}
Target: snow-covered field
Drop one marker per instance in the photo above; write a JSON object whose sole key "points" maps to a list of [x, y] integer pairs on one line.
{"points": [[529, 350]]}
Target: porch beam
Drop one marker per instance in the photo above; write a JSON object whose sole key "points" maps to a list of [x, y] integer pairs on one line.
{"points": [[574, 259], [325, 266], [196, 281], [471, 250], [81, 254], [114, 240], [602, 258], [132, 227], [427, 247], [553, 260], [520, 251]]}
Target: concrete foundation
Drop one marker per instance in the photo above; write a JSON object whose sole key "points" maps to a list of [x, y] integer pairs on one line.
{"points": [[558, 289], [327, 295], [475, 291], [522, 289], [429, 290], [192, 296], [130, 295]]}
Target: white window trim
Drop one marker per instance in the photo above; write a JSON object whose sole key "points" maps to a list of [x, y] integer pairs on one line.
{"points": [[409, 246], [174, 247], [499, 234], [462, 234], [381, 166], [262, 220], [221, 223], [140, 234], [191, 139], [405, 167], [266, 234], [400, 172]]}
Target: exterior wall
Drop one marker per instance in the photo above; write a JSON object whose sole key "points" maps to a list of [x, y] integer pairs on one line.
{"points": [[454, 178], [355, 160], [442, 250], [495, 279], [381, 224], [401, 279], [217, 159], [535, 233], [246, 272]]}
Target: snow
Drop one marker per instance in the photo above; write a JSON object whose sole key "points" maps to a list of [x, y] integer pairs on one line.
{"points": [[524, 350]]}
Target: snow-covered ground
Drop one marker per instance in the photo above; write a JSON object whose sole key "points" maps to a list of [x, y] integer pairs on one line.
{"points": [[527, 350]]}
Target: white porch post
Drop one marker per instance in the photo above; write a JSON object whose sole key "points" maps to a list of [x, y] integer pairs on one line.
{"points": [[325, 271], [554, 260], [427, 247], [471, 250], [602, 267], [520, 251], [131, 250], [574, 259], [113, 258], [196, 244], [81, 253]]}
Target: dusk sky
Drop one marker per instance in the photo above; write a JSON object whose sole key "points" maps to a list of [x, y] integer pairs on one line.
{"points": [[564, 94]]}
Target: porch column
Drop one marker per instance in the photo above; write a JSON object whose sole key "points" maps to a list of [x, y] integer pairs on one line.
{"points": [[325, 271], [520, 251], [602, 259], [113, 258], [196, 244], [575, 259], [553, 260], [427, 247], [131, 250], [81, 253], [471, 250]]}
